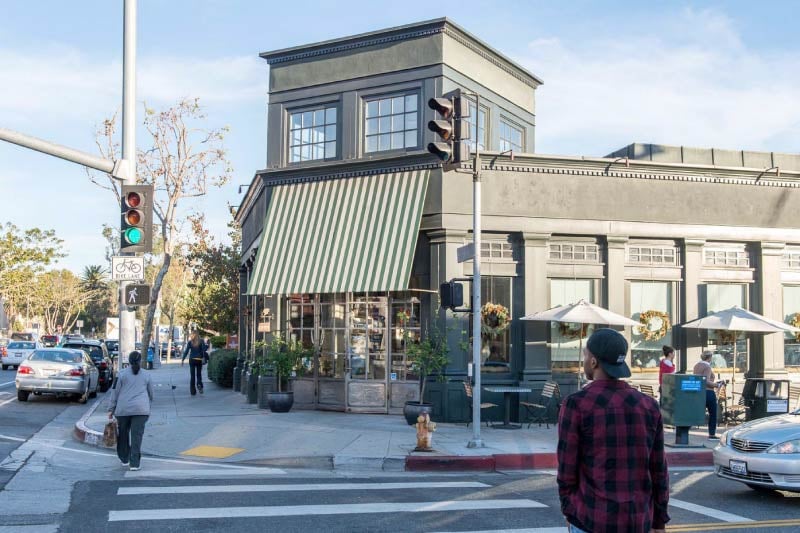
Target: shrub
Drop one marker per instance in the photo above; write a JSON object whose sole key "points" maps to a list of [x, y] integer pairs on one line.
{"points": [[220, 367], [219, 341]]}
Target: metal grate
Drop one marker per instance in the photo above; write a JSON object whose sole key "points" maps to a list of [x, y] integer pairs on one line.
{"points": [[750, 476], [752, 446]]}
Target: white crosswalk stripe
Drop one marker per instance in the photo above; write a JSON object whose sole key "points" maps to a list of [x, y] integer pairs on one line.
{"points": [[217, 489], [190, 473]]}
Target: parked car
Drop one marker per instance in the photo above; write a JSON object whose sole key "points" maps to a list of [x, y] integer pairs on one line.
{"points": [[762, 453], [17, 351], [99, 355], [49, 341], [59, 371], [70, 337], [17, 336], [113, 348]]}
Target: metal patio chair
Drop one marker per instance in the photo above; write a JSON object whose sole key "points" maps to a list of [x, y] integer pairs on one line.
{"points": [[549, 400]]}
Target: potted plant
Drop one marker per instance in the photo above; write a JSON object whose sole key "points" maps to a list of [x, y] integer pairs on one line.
{"points": [[283, 357], [428, 356], [259, 369]]}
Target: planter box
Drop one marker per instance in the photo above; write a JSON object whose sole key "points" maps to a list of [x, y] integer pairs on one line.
{"points": [[266, 384]]}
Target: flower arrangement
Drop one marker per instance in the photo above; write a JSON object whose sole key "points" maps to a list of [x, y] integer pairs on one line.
{"points": [[795, 321], [572, 330], [403, 316], [725, 336], [655, 325], [495, 318]]}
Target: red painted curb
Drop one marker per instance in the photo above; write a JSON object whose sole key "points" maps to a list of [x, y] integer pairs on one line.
{"points": [[528, 461]]}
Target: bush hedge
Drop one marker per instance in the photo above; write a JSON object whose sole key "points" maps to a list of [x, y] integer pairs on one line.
{"points": [[220, 367]]}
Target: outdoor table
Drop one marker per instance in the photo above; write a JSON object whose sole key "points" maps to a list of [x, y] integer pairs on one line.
{"points": [[507, 391]]}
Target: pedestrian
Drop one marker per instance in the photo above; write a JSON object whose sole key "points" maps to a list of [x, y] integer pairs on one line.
{"points": [[667, 365], [703, 368], [130, 404], [197, 351], [612, 469]]}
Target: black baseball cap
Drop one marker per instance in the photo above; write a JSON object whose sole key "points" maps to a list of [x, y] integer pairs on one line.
{"points": [[610, 348]]}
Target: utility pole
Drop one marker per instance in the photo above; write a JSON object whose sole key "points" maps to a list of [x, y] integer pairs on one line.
{"points": [[124, 169], [476, 441]]}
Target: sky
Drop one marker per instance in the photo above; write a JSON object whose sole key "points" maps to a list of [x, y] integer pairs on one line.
{"points": [[705, 74]]}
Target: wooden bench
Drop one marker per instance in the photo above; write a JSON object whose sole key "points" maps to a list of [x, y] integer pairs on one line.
{"points": [[648, 390], [484, 405], [540, 410]]}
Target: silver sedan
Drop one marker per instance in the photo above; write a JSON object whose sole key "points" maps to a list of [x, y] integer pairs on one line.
{"points": [[58, 371], [764, 454]]}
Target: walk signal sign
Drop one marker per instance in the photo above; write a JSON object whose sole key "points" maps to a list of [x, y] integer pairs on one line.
{"points": [[137, 219], [137, 295]]}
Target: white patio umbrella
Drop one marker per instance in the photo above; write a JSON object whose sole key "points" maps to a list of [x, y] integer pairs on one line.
{"points": [[581, 312], [738, 320]]}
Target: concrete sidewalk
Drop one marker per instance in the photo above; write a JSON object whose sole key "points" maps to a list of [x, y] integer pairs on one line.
{"points": [[221, 422]]}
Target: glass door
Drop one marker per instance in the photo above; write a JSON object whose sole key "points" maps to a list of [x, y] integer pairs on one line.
{"points": [[367, 351]]}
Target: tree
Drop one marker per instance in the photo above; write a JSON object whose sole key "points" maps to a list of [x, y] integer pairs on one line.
{"points": [[213, 301], [24, 253], [99, 306], [58, 296], [182, 161]]}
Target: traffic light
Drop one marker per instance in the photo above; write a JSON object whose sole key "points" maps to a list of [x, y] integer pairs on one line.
{"points": [[451, 128], [451, 294], [137, 219]]}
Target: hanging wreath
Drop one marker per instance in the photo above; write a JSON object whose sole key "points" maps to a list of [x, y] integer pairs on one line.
{"points": [[572, 330], [495, 319], [795, 321], [725, 336], [655, 325]]}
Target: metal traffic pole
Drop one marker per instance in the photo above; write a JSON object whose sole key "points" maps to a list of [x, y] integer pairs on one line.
{"points": [[476, 441], [127, 317]]}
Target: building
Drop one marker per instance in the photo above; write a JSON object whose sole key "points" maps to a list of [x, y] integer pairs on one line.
{"points": [[353, 225]]}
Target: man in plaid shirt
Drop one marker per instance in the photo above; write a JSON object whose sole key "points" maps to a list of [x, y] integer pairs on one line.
{"points": [[612, 470]]}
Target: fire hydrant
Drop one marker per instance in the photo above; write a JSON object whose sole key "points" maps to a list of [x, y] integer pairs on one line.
{"points": [[425, 429]]}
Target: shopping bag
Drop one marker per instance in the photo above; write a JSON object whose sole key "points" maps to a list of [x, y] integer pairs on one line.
{"points": [[110, 434]]}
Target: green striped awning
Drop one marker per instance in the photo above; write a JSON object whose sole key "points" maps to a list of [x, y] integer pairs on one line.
{"points": [[340, 235]]}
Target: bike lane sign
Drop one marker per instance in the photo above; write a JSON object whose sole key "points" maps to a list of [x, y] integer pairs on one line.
{"points": [[127, 268]]}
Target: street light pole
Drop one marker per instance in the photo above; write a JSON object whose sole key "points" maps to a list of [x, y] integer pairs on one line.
{"points": [[127, 317], [476, 441]]}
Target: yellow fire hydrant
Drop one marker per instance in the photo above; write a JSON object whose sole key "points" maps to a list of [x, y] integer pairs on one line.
{"points": [[425, 429]]}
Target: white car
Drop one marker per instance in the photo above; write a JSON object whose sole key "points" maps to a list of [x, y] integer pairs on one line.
{"points": [[17, 351], [764, 454]]}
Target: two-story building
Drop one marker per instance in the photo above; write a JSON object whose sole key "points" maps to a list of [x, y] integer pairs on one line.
{"points": [[351, 228]]}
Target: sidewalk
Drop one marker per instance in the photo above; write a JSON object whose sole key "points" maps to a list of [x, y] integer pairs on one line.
{"points": [[230, 430]]}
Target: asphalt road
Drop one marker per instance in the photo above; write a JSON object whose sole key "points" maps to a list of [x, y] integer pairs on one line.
{"points": [[433, 503]]}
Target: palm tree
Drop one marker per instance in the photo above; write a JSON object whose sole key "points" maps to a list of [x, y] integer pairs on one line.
{"points": [[98, 308]]}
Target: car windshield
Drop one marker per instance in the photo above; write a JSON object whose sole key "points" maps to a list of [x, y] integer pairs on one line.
{"points": [[56, 357], [22, 346]]}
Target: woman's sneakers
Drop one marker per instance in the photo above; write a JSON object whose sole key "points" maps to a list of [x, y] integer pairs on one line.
{"points": [[135, 468]]}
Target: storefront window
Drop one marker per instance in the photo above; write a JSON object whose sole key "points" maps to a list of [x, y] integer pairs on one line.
{"points": [[791, 343], [565, 339], [721, 296], [405, 328], [301, 328], [368, 347], [495, 349], [332, 334], [651, 302]]}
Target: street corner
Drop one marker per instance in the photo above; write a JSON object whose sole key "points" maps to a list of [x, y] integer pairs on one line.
{"points": [[84, 433]]}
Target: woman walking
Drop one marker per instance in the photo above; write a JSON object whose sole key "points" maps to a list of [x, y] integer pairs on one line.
{"points": [[196, 349], [130, 404]]}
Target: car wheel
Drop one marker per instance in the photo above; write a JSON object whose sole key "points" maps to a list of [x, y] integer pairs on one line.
{"points": [[22, 395], [5, 367], [760, 488]]}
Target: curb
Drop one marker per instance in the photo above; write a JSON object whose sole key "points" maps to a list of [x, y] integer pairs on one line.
{"points": [[84, 434], [527, 461]]}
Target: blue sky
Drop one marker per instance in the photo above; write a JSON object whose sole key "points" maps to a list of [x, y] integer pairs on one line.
{"points": [[721, 74]]}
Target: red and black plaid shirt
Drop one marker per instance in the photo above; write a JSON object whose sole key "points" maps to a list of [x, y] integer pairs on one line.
{"points": [[612, 470]]}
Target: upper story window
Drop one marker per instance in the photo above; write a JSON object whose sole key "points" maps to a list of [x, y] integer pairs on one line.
{"points": [[312, 134], [511, 137], [481, 127], [726, 257], [391, 123]]}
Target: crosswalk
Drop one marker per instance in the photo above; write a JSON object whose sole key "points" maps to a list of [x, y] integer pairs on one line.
{"points": [[162, 501]]}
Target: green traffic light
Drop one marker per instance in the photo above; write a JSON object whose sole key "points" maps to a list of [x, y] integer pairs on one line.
{"points": [[133, 235]]}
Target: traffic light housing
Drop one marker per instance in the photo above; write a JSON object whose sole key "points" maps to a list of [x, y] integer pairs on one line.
{"points": [[136, 230], [450, 127], [451, 293]]}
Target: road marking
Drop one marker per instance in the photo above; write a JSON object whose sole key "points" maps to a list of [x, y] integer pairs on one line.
{"points": [[217, 452], [707, 511], [211, 471], [725, 526], [308, 510], [6, 383], [8, 401], [8, 437], [528, 530], [303, 486]]}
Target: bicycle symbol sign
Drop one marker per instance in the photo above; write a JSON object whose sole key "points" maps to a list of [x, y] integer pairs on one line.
{"points": [[127, 268]]}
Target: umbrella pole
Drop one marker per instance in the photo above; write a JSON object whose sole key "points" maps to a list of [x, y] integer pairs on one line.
{"points": [[580, 349]]}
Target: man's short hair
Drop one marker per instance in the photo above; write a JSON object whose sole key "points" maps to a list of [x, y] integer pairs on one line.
{"points": [[706, 355]]}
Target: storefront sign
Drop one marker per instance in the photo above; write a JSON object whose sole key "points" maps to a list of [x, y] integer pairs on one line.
{"points": [[263, 327]]}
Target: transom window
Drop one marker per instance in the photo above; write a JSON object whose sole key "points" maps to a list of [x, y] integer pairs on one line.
{"points": [[481, 139], [578, 252], [650, 255], [391, 123], [791, 259], [312, 134], [510, 137], [726, 257], [497, 250]]}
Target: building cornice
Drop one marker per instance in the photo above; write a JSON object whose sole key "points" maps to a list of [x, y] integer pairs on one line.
{"points": [[350, 169], [403, 33]]}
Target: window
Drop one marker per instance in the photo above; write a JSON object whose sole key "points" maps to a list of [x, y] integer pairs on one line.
{"points": [[791, 259], [510, 137], [721, 296], [652, 255], [655, 297], [495, 350], [391, 123], [496, 251], [405, 328], [312, 134], [481, 127], [301, 328], [726, 257], [565, 339], [791, 343], [575, 252]]}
